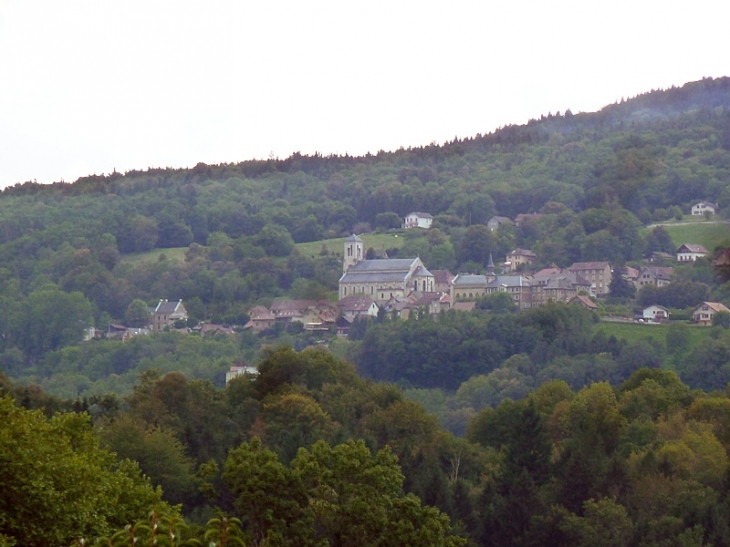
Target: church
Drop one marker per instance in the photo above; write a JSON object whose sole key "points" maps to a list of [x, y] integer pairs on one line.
{"points": [[384, 279]]}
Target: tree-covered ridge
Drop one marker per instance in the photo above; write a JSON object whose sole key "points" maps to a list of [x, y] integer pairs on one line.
{"points": [[308, 453], [596, 178]]}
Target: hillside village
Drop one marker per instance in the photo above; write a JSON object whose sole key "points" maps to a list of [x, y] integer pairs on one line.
{"points": [[404, 286]]}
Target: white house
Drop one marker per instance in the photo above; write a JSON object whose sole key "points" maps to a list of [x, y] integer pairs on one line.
{"points": [[236, 371], [702, 207], [357, 305], [655, 313], [689, 252], [704, 313], [418, 220]]}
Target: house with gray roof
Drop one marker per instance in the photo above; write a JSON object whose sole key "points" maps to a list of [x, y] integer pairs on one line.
{"points": [[166, 314], [689, 252], [496, 221], [519, 287]]}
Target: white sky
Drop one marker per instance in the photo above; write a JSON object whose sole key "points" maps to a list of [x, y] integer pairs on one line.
{"points": [[90, 86]]}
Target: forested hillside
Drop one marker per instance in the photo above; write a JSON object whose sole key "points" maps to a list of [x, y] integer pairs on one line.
{"points": [[493, 427], [597, 179]]}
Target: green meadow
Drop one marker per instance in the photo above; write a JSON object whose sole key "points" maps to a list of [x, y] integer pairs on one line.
{"points": [[708, 234], [633, 332], [379, 242]]}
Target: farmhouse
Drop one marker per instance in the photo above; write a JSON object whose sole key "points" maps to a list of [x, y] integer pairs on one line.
{"points": [[704, 313], [702, 207], [655, 313], [659, 276], [689, 252], [418, 220], [167, 313]]}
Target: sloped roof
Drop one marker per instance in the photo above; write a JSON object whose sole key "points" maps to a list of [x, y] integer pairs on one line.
{"points": [[386, 265], [260, 313], [501, 220], [167, 308], [421, 215], [384, 271], [522, 252], [353, 237], [427, 299], [714, 306], [442, 276], [464, 306], [587, 302], [510, 281], [355, 302], [691, 248], [659, 272], [469, 280], [589, 266]]}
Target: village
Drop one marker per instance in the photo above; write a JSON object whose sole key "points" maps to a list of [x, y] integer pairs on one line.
{"points": [[402, 287]]}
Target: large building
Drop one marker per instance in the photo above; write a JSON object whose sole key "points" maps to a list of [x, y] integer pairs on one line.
{"points": [[384, 279], [598, 273]]}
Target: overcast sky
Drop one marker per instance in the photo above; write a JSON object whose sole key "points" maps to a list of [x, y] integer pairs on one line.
{"points": [[91, 86]]}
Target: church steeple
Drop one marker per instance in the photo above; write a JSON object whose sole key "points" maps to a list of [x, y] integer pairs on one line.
{"points": [[490, 265], [353, 252]]}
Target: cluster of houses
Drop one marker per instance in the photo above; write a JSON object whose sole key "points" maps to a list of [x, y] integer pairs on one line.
{"points": [[405, 285]]}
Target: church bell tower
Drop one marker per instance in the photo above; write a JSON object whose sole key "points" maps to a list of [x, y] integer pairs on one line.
{"points": [[353, 252]]}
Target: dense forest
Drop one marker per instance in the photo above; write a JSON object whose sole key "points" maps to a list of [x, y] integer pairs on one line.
{"points": [[309, 453], [492, 428]]}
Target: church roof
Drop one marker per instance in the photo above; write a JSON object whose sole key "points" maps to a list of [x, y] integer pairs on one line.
{"points": [[384, 271], [353, 237], [510, 281], [470, 280], [386, 265]]}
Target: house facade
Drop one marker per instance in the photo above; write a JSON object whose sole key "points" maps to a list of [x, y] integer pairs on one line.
{"points": [[520, 257], [496, 221], [418, 220], [442, 281], [659, 276], [166, 314], [655, 313], [260, 319], [597, 273], [357, 305], [519, 287], [702, 207], [703, 314], [689, 252], [469, 287]]}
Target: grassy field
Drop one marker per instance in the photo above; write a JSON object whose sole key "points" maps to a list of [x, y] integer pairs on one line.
{"points": [[177, 254], [313, 248], [708, 234], [632, 332], [335, 246]]}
